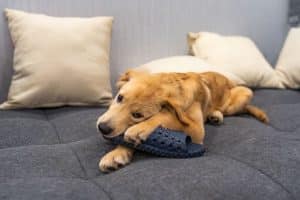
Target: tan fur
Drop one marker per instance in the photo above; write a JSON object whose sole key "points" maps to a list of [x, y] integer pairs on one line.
{"points": [[179, 101]]}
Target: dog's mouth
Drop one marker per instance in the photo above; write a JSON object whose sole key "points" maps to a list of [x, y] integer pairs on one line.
{"points": [[109, 136]]}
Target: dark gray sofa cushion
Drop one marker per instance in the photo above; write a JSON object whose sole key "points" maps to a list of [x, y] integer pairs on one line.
{"points": [[54, 154]]}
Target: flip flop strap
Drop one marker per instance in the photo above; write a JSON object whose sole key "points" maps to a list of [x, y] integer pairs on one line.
{"points": [[170, 140]]}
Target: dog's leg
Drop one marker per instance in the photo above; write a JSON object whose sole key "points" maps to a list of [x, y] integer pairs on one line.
{"points": [[141, 131], [196, 131], [195, 127], [239, 102], [215, 117], [116, 158], [239, 97]]}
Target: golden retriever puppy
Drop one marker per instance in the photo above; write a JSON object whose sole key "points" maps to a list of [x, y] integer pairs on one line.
{"points": [[178, 101]]}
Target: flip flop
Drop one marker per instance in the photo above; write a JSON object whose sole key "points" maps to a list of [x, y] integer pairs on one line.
{"points": [[166, 143]]}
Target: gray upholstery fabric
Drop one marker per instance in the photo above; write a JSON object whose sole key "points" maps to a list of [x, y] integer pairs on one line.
{"points": [[144, 30], [54, 153]]}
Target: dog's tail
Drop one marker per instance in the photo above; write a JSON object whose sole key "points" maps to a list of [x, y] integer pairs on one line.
{"points": [[257, 113]]}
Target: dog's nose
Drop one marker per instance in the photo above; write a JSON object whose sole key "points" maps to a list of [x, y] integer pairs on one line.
{"points": [[104, 128]]}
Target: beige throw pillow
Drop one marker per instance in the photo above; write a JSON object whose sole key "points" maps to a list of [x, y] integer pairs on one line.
{"points": [[234, 54], [288, 64], [59, 61], [184, 64]]}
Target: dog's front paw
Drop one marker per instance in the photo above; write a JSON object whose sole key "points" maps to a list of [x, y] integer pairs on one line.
{"points": [[115, 159], [137, 134], [215, 118]]}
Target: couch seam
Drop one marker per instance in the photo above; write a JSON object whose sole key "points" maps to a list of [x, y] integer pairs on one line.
{"points": [[80, 163], [258, 170], [87, 177], [78, 160], [60, 142], [282, 130], [53, 126], [33, 145], [101, 188], [62, 177]]}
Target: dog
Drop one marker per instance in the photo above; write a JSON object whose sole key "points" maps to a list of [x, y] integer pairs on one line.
{"points": [[177, 101]]}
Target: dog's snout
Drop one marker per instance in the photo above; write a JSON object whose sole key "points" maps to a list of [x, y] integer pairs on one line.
{"points": [[104, 128]]}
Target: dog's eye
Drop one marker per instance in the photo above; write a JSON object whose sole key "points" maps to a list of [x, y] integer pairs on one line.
{"points": [[137, 115], [119, 98]]}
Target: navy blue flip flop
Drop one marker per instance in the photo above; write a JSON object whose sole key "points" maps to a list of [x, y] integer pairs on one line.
{"points": [[166, 143]]}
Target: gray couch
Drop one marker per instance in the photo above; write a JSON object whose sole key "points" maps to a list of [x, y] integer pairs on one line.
{"points": [[54, 153]]}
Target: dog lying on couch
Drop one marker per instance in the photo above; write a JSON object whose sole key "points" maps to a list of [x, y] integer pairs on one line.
{"points": [[177, 101]]}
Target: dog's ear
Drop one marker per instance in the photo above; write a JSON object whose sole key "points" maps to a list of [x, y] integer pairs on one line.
{"points": [[178, 109], [126, 77], [123, 79]]}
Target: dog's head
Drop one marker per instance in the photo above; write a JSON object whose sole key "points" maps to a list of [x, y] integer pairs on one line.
{"points": [[140, 97]]}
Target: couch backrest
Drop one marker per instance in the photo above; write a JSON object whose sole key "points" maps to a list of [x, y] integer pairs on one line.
{"points": [[149, 29]]}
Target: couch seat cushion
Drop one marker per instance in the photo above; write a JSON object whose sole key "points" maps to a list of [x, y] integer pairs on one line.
{"points": [[54, 154]]}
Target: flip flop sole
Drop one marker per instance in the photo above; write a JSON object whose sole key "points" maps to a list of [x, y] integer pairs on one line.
{"points": [[166, 143]]}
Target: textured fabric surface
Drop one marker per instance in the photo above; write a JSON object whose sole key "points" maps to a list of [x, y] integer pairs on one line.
{"points": [[54, 154], [64, 53], [237, 55], [288, 64]]}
